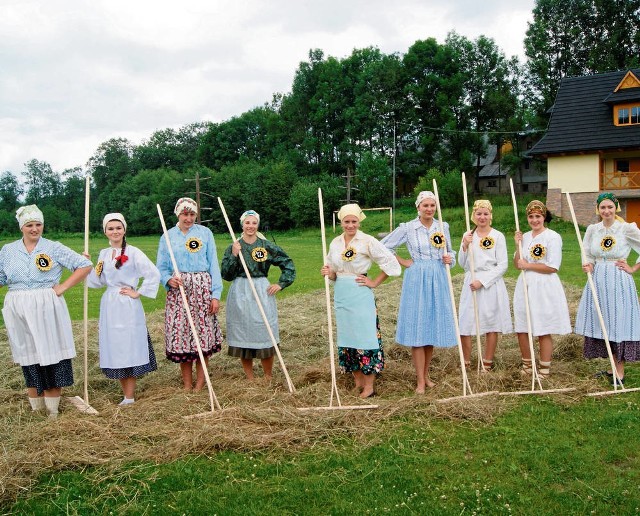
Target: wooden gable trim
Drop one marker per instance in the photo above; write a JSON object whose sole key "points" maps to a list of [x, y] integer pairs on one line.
{"points": [[628, 81]]}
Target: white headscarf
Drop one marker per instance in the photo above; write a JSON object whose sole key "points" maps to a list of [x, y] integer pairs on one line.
{"points": [[351, 209], [30, 213], [425, 194], [185, 204], [113, 216], [251, 213]]}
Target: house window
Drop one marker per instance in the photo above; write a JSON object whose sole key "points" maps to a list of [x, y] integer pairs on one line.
{"points": [[527, 164], [622, 166], [628, 114], [525, 187], [492, 183]]}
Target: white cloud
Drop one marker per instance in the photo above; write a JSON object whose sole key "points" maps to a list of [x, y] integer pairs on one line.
{"points": [[75, 73]]}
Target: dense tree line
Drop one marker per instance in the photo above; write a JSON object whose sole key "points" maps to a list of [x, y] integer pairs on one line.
{"points": [[430, 111]]}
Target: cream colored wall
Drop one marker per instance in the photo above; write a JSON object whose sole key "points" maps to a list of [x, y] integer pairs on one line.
{"points": [[574, 173]]}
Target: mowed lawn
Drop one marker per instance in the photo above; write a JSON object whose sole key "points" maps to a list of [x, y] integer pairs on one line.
{"points": [[543, 455]]}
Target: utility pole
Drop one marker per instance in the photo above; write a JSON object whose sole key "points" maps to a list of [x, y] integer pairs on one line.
{"points": [[393, 200], [197, 180]]}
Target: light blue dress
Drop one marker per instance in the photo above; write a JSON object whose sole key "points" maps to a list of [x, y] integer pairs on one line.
{"points": [[425, 316], [616, 289]]}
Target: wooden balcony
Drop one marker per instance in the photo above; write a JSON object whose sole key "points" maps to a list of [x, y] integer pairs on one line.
{"points": [[619, 180]]}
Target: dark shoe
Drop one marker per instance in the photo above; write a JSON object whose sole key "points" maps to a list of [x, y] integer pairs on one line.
{"points": [[618, 381], [603, 374]]}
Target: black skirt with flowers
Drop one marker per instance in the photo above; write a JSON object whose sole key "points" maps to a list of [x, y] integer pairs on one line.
{"points": [[369, 361]]}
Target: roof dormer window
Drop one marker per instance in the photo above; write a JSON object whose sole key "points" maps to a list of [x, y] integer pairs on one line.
{"points": [[627, 114]]}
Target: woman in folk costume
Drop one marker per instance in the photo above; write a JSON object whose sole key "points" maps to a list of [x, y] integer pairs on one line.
{"points": [[350, 257], [195, 252], [247, 336], [607, 245], [490, 260], [542, 250], [125, 346], [425, 316], [35, 312]]}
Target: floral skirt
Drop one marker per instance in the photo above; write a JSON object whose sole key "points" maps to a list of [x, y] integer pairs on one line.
{"points": [[43, 378], [369, 361], [180, 345], [629, 351]]}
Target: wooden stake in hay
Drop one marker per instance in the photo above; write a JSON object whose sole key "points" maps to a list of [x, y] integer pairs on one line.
{"points": [[473, 277], [465, 379], [327, 293], [83, 404], [292, 389], [596, 302], [213, 400]]}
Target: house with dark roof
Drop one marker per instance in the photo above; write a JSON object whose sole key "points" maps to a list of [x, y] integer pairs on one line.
{"points": [[592, 144], [529, 176]]}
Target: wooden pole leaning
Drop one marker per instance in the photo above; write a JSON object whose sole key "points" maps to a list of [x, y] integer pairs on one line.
{"points": [[596, 303], [465, 380], [292, 389], [213, 400], [472, 269], [535, 378], [82, 404], [327, 293]]}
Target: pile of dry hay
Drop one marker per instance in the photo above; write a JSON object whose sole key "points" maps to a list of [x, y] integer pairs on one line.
{"points": [[256, 416]]}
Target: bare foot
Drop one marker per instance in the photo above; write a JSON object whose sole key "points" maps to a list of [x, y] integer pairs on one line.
{"points": [[419, 389], [187, 388], [429, 383], [368, 393]]}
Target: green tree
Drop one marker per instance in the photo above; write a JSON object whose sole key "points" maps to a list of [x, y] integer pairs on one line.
{"points": [[374, 181], [577, 37], [43, 184], [10, 191]]}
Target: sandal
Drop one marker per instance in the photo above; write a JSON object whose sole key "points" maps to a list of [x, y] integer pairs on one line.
{"points": [[544, 369], [525, 368], [487, 366]]}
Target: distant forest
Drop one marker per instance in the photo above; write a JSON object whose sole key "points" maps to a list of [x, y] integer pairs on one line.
{"points": [[431, 110]]}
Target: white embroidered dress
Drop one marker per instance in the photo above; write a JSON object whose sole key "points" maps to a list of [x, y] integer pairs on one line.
{"points": [[123, 329]]}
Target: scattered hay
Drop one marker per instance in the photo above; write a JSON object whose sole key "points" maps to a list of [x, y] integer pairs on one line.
{"points": [[256, 416]]}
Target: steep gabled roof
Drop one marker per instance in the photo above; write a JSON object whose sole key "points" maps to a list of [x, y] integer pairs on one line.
{"points": [[582, 118]]}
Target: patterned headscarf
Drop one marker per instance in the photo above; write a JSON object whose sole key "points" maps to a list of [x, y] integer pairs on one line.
{"points": [[113, 216], [30, 213], [425, 194], [185, 205], [480, 203], [610, 196], [536, 207], [351, 209], [251, 213]]}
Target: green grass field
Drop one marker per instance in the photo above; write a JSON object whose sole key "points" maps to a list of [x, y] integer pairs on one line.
{"points": [[525, 455]]}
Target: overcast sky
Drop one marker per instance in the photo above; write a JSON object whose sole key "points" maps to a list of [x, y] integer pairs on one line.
{"points": [[74, 73]]}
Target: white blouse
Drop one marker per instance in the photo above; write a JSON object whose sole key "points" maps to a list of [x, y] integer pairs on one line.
{"points": [[357, 257]]}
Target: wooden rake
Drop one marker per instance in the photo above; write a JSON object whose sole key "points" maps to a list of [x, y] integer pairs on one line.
{"points": [[334, 385], [466, 386], [292, 389], [472, 269], [535, 377], [596, 302], [213, 400], [82, 404]]}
